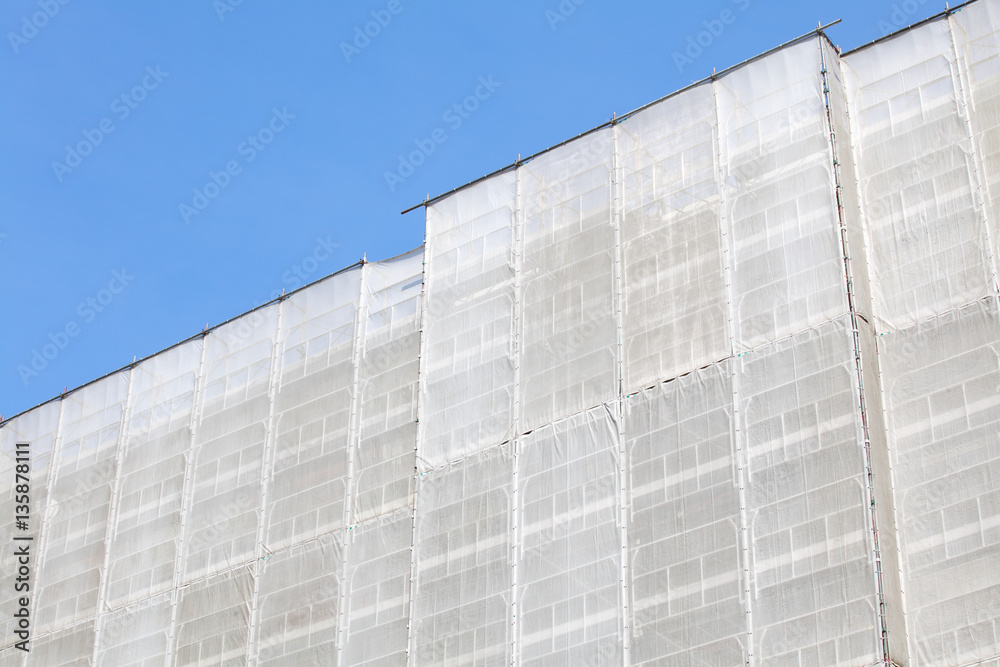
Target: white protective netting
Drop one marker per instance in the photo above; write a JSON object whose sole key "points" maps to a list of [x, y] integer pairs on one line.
{"points": [[928, 248], [299, 604], [377, 604], [423, 465], [851, 215], [38, 428], [69, 647], [942, 392], [387, 386], [313, 410], [568, 323], [463, 576], [136, 635], [925, 120], [80, 494], [798, 442], [685, 559], [675, 300], [787, 267], [229, 435], [144, 543], [872, 427], [886, 517], [568, 559], [976, 30], [812, 581], [213, 620], [467, 379]]}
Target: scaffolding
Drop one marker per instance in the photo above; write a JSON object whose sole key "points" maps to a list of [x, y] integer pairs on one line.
{"points": [[717, 382]]}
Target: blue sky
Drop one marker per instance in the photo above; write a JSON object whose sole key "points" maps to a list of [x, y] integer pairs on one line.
{"points": [[167, 165]]}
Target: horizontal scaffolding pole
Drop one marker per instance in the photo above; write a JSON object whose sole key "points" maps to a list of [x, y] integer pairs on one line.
{"points": [[201, 334], [619, 119], [948, 11]]}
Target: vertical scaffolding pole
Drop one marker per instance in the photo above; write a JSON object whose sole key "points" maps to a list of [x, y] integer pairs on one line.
{"points": [[518, 255], [739, 455], [109, 533], [856, 341], [616, 206], [353, 426], [43, 531], [421, 349], [187, 497], [274, 383]]}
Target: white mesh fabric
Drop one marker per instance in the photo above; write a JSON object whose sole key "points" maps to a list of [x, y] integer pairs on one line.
{"points": [[312, 413], [214, 620], [675, 290], [976, 30], [943, 405], [462, 595], [569, 598], [568, 350], [851, 213], [857, 260], [885, 501], [928, 246], [69, 575], [468, 365], [156, 448], [377, 590], [813, 591], [38, 428], [685, 560], [299, 604], [69, 647], [788, 271], [136, 635], [385, 459], [229, 444]]}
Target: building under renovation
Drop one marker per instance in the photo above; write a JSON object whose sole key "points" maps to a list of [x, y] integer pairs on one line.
{"points": [[716, 383]]}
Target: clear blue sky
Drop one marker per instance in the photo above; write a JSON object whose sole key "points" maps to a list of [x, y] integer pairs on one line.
{"points": [[299, 116]]}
